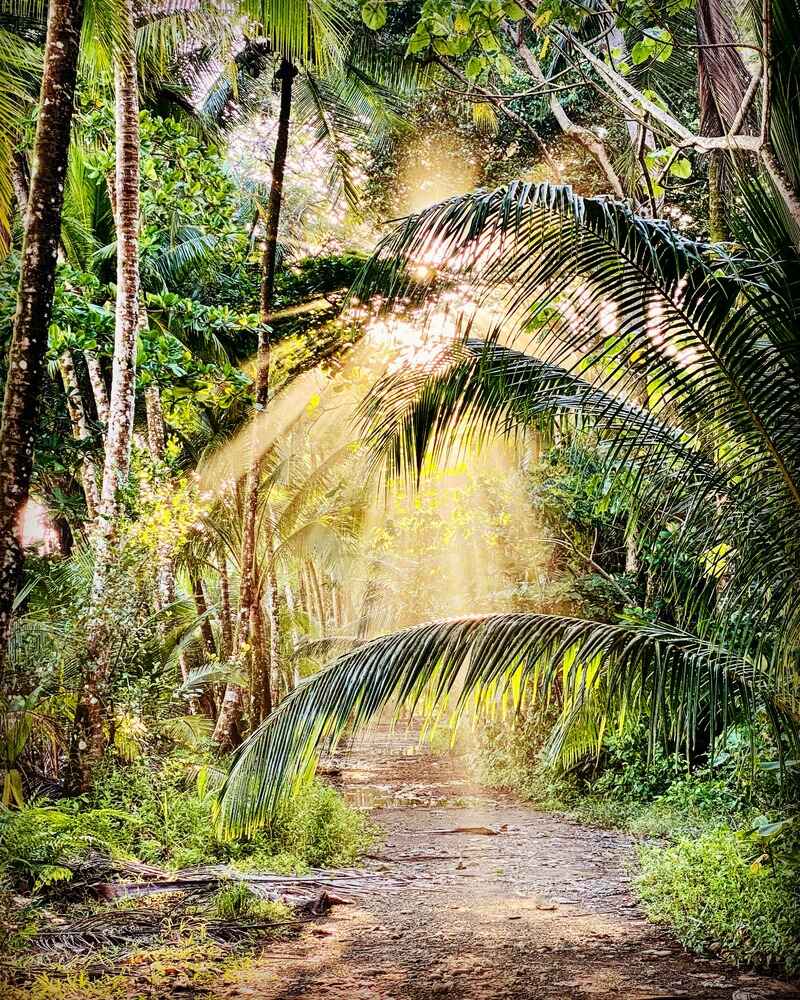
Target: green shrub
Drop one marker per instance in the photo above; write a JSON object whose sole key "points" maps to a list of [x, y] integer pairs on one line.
{"points": [[149, 810], [40, 845], [707, 890], [317, 828], [688, 807]]}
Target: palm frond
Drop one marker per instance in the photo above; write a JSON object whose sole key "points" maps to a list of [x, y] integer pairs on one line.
{"points": [[483, 660], [638, 311]]}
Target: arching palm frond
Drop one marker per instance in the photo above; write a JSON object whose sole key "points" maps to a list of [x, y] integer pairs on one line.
{"points": [[683, 358], [706, 337], [487, 658]]}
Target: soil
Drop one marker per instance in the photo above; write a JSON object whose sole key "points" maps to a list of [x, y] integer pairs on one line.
{"points": [[519, 904]]}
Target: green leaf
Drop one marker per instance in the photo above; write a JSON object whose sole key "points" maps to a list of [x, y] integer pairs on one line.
{"points": [[681, 167], [373, 13], [461, 22], [641, 52], [419, 40], [474, 68], [505, 68], [513, 11]]}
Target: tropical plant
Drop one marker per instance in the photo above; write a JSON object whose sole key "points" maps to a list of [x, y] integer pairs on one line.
{"points": [[682, 357]]}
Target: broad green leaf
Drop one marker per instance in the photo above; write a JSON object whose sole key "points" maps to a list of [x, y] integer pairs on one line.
{"points": [[513, 11], [474, 68], [373, 13], [419, 40], [681, 168]]}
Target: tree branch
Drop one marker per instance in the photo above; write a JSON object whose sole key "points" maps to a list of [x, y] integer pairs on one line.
{"points": [[497, 100], [588, 139]]}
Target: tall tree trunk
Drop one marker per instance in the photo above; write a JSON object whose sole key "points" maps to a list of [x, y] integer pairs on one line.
{"points": [[233, 702], [80, 431], [88, 739], [157, 446], [98, 389], [206, 632], [225, 616], [20, 181], [722, 82], [271, 611], [36, 289], [292, 675]]}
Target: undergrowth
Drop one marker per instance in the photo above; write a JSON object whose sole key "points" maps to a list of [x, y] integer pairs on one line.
{"points": [[719, 856], [150, 811], [715, 899]]}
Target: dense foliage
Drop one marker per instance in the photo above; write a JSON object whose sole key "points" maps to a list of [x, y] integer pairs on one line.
{"points": [[270, 466]]}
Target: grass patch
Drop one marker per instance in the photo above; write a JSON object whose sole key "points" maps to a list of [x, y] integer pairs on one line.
{"points": [[716, 900], [148, 810]]}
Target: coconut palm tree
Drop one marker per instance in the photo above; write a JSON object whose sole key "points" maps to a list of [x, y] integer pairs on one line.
{"points": [[682, 357], [340, 85], [36, 286]]}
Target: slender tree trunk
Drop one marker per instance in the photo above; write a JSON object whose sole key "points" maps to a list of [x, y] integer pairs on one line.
{"points": [[722, 81], [157, 445], [206, 632], [233, 702], [20, 181], [261, 686], [225, 616], [36, 289], [88, 741], [99, 391], [80, 431], [273, 618], [293, 677]]}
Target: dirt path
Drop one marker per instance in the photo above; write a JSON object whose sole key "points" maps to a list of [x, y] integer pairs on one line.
{"points": [[543, 909]]}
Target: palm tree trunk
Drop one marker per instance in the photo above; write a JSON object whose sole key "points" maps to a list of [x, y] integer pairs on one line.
{"points": [[233, 702], [80, 431], [88, 740], [293, 678], [19, 181], [98, 389], [225, 616], [271, 608], [206, 632], [36, 289]]}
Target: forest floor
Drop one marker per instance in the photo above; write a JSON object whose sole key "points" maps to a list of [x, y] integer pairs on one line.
{"points": [[517, 904]]}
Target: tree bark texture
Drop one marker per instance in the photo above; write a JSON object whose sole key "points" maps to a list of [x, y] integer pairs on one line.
{"points": [[94, 709], [99, 391], [80, 431], [36, 289]]}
